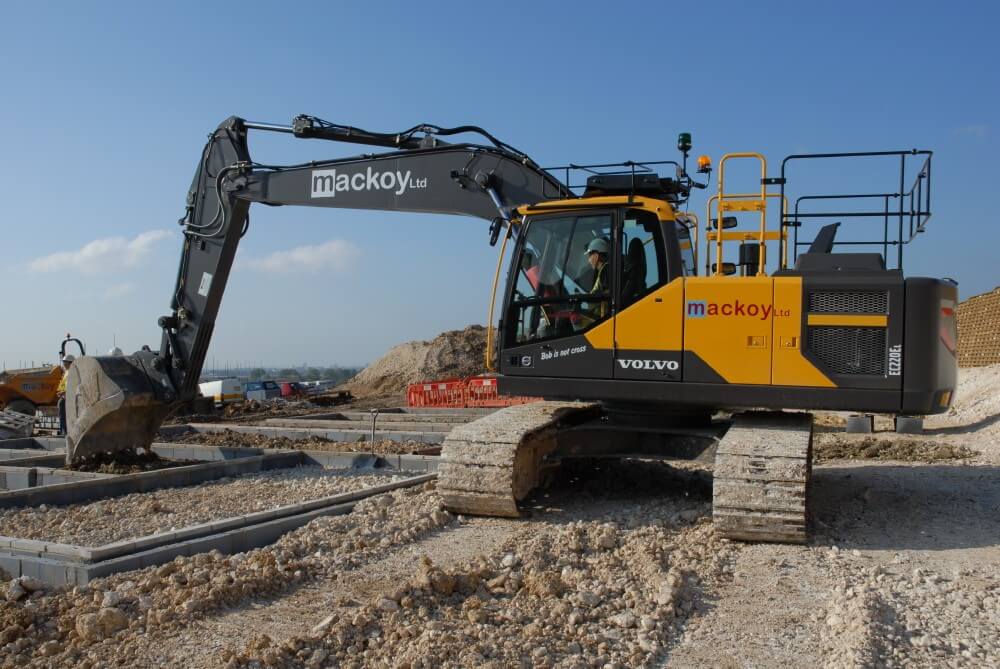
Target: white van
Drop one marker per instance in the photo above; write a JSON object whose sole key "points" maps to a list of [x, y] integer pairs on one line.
{"points": [[223, 391]]}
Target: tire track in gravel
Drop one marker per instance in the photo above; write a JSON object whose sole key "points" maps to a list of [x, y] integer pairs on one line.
{"points": [[297, 612], [759, 618]]}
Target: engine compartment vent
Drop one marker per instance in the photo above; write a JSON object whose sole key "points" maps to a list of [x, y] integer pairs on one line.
{"points": [[854, 302], [848, 350]]}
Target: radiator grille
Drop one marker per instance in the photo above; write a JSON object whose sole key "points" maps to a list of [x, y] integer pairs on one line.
{"points": [[857, 302], [849, 350]]}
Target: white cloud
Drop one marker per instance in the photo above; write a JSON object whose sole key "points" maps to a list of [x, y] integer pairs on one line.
{"points": [[118, 290], [975, 130], [101, 255], [335, 254]]}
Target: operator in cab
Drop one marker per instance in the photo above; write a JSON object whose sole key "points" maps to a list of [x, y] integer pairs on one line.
{"points": [[597, 257]]}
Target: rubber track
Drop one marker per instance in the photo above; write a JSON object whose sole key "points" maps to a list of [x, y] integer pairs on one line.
{"points": [[761, 482], [490, 464]]}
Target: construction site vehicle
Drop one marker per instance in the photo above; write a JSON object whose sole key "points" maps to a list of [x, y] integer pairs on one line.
{"points": [[261, 390], [222, 391], [25, 390], [604, 312], [292, 390]]}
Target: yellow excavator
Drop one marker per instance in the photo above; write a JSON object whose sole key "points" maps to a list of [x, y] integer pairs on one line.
{"points": [[634, 319]]}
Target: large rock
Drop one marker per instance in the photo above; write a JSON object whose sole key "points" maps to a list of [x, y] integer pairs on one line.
{"points": [[101, 625]]}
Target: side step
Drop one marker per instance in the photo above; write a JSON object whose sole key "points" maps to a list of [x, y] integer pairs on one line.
{"points": [[762, 470], [490, 464]]}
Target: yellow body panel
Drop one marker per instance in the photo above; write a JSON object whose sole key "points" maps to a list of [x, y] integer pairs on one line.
{"points": [[659, 207], [727, 323], [789, 366], [742, 205], [602, 336], [653, 323], [849, 320]]}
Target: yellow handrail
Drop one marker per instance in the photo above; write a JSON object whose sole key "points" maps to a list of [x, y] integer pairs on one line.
{"points": [[744, 196], [763, 207], [493, 299]]}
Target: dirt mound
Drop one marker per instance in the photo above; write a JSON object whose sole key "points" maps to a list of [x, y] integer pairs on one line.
{"points": [[977, 398], [456, 353], [907, 450], [979, 330]]}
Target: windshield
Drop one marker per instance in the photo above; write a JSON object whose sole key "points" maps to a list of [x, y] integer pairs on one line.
{"points": [[563, 259]]}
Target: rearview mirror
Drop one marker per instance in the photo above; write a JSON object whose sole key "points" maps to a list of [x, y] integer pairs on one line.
{"points": [[727, 268], [727, 222]]}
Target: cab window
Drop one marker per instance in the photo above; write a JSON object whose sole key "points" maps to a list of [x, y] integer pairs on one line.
{"points": [[563, 278], [687, 249], [643, 258]]}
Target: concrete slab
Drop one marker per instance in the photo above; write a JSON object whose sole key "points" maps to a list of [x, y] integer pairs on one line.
{"points": [[365, 425]]}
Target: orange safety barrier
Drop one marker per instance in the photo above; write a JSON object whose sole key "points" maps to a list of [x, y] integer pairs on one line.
{"points": [[476, 391], [446, 393]]}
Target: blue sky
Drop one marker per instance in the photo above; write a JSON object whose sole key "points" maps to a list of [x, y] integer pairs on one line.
{"points": [[106, 107]]}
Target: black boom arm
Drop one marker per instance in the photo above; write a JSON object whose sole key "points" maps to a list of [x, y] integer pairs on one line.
{"points": [[422, 174]]}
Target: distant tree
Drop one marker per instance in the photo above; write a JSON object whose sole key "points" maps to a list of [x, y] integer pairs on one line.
{"points": [[312, 374], [257, 373], [288, 374]]}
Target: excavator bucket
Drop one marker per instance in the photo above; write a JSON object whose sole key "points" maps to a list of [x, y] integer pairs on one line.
{"points": [[111, 405]]}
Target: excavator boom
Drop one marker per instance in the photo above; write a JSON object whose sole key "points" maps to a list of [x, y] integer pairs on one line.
{"points": [[116, 403]]}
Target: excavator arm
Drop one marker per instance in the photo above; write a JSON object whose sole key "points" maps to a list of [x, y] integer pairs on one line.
{"points": [[118, 403]]}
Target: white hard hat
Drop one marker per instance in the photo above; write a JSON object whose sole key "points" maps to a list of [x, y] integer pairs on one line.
{"points": [[600, 245], [69, 357]]}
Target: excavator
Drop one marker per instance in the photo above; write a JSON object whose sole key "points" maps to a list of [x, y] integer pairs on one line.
{"points": [[606, 312]]}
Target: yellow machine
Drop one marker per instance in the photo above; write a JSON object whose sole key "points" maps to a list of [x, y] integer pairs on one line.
{"points": [[604, 312], [24, 390]]}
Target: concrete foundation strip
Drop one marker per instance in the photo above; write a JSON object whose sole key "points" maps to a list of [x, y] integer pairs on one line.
{"points": [[342, 434], [105, 486], [60, 564]]}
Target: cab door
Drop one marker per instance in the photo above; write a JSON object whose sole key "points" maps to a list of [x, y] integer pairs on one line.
{"points": [[559, 298], [648, 327]]}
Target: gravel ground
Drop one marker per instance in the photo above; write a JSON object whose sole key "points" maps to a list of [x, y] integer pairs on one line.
{"points": [[614, 566], [139, 514], [313, 443]]}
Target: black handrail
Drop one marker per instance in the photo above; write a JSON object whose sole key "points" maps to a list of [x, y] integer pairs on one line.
{"points": [[913, 213]]}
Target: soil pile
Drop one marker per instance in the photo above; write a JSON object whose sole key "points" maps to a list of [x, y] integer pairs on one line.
{"points": [[979, 330], [977, 398], [898, 449], [452, 354]]}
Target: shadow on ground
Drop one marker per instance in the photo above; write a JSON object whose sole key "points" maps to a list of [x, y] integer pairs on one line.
{"points": [[899, 507]]}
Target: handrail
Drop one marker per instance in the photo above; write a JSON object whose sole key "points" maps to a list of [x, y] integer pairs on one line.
{"points": [[763, 208], [744, 196]]}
